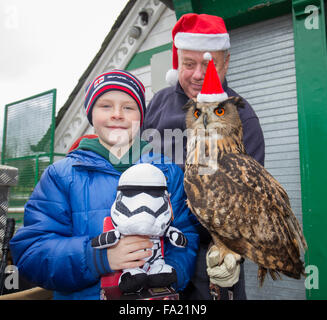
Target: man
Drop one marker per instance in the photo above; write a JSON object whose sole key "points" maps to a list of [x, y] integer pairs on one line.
{"points": [[193, 35]]}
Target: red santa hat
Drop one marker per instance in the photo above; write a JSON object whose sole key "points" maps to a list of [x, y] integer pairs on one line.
{"points": [[198, 32], [212, 90]]}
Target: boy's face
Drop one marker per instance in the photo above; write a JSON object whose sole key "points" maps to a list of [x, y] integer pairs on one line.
{"points": [[116, 119]]}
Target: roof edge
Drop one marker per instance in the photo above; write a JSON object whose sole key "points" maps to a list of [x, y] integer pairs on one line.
{"points": [[90, 67]]}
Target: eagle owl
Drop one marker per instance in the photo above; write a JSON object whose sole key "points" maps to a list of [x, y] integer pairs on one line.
{"points": [[246, 211]]}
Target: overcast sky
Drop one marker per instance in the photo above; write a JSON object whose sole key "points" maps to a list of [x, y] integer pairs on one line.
{"points": [[46, 44]]}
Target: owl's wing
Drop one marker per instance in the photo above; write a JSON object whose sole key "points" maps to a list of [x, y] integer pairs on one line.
{"points": [[249, 211]]}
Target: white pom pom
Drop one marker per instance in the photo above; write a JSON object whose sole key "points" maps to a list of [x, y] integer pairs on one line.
{"points": [[207, 56], [172, 77]]}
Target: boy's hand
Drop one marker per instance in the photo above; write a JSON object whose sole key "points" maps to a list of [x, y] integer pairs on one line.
{"points": [[129, 252]]}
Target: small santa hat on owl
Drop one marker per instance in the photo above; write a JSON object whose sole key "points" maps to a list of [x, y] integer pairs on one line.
{"points": [[212, 90], [197, 32]]}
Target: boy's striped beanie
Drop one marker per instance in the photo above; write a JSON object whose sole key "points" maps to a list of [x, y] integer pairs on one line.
{"points": [[120, 80]]}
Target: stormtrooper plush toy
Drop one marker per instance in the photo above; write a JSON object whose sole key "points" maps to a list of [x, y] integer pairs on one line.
{"points": [[142, 207]]}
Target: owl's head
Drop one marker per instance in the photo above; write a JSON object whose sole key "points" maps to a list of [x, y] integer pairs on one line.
{"points": [[222, 116]]}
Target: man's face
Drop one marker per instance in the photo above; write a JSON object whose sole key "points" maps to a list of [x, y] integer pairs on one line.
{"points": [[192, 69]]}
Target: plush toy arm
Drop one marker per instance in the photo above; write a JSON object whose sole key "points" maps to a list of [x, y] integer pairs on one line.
{"points": [[106, 239], [176, 237]]}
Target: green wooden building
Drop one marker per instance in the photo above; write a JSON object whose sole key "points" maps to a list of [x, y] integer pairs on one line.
{"points": [[278, 63]]}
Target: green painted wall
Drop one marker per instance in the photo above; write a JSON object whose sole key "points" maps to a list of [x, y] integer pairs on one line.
{"points": [[236, 13], [143, 58], [311, 70]]}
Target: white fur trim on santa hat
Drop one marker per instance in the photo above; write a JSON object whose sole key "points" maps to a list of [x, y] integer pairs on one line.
{"points": [[219, 97], [202, 41], [172, 77]]}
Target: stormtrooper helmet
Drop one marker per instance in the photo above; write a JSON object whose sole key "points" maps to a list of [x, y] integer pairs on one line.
{"points": [[142, 204]]}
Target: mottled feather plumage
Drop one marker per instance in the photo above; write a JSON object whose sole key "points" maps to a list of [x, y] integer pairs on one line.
{"points": [[244, 208]]}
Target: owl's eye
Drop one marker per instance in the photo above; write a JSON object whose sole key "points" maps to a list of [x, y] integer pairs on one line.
{"points": [[219, 111], [197, 113]]}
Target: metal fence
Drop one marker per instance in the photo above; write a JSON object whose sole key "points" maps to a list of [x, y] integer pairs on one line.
{"points": [[8, 178], [28, 143]]}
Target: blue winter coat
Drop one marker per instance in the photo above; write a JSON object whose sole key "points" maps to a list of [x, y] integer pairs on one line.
{"points": [[67, 209]]}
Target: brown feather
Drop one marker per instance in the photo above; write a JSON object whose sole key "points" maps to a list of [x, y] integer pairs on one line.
{"points": [[244, 208]]}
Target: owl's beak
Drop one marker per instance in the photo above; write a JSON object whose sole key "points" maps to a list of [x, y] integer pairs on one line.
{"points": [[205, 120]]}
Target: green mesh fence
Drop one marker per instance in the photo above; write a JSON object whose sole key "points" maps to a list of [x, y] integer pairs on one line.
{"points": [[28, 141], [30, 171], [28, 126]]}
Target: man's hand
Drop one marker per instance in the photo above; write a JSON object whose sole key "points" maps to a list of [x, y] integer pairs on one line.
{"points": [[225, 275], [129, 252]]}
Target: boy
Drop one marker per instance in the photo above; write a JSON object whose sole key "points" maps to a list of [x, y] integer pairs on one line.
{"points": [[74, 195]]}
